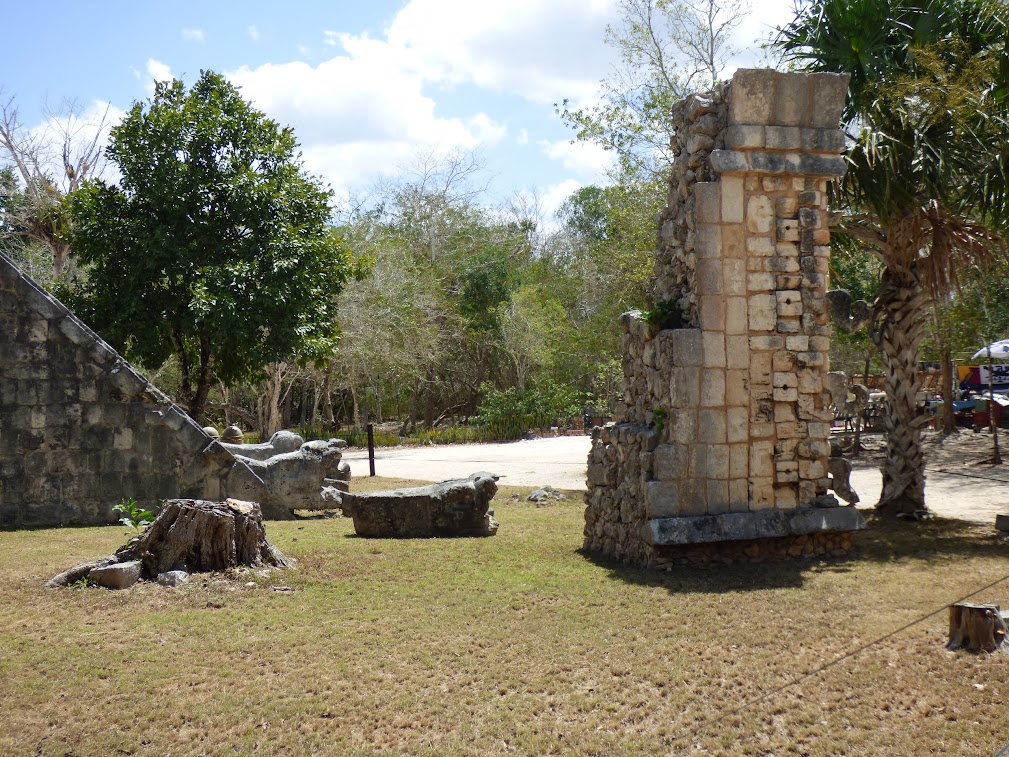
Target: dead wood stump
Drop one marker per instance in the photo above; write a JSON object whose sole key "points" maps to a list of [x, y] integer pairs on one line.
{"points": [[976, 627], [195, 536]]}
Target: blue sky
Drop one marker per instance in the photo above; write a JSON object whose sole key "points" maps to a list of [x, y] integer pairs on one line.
{"points": [[368, 85]]}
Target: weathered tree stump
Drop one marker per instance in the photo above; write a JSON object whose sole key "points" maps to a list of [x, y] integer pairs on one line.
{"points": [[194, 536], [976, 627]]}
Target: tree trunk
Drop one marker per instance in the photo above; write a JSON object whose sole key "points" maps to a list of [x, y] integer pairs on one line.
{"points": [[975, 627], [327, 396], [948, 394], [268, 401], [194, 536], [897, 328], [996, 457], [199, 401]]}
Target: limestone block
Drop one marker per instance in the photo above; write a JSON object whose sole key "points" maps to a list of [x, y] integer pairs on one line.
{"points": [[759, 214], [734, 276], [789, 303], [710, 461], [760, 367], [713, 388], [828, 95], [699, 143], [662, 499], [714, 349], [708, 201], [783, 361], [728, 161], [819, 430], [761, 494], [812, 469], [770, 162], [709, 276], [791, 102], [797, 343], [784, 411], [787, 230], [744, 136], [733, 242], [717, 496], [784, 379], [737, 421], [692, 498], [807, 493], [762, 459], [811, 359], [780, 264], [682, 426], [789, 326], [786, 395], [786, 477], [786, 206], [822, 140], [775, 183], [736, 320], [762, 312], [786, 497], [782, 137], [812, 449], [711, 313], [711, 426], [739, 495], [687, 347], [810, 382], [760, 246], [737, 388], [739, 460], [760, 282], [737, 347], [669, 462], [732, 199], [751, 99], [761, 430], [685, 388]]}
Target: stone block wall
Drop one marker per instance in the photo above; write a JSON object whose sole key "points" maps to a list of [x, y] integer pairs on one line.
{"points": [[722, 435], [80, 429]]}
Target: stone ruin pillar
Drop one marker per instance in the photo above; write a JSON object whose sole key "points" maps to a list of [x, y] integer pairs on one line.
{"points": [[719, 451]]}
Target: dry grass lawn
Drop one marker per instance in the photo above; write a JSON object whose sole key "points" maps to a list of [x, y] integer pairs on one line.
{"points": [[516, 644]]}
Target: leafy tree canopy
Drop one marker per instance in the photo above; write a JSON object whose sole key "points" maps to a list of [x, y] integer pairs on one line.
{"points": [[215, 245]]}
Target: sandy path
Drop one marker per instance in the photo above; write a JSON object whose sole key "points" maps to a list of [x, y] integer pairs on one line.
{"points": [[560, 462]]}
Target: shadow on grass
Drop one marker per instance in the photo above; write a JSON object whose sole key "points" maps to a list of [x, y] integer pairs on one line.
{"points": [[884, 541]]}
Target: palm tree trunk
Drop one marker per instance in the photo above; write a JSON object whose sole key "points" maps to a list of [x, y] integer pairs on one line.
{"points": [[897, 328]]}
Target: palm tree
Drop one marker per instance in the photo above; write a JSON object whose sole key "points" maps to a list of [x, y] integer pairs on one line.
{"points": [[926, 187]]}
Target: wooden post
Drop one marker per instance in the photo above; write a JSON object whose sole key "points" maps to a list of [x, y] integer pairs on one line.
{"points": [[975, 627], [371, 449]]}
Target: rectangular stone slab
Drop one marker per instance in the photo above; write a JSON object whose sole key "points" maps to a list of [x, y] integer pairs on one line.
{"points": [[766, 524]]}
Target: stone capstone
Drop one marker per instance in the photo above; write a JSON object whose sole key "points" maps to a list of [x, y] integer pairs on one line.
{"points": [[756, 525], [458, 507]]}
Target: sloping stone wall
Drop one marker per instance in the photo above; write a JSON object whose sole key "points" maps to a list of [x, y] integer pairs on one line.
{"points": [[724, 421], [80, 429]]}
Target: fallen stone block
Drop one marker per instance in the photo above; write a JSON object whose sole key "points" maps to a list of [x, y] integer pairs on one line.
{"points": [[1002, 522], [458, 507], [121, 575], [173, 577]]}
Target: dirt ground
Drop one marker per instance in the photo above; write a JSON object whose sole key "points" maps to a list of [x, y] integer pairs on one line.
{"points": [[960, 483]]}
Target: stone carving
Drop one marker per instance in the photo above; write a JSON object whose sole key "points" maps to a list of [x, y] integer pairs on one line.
{"points": [[309, 478], [280, 442], [839, 468], [848, 315], [848, 402], [725, 413], [459, 507]]}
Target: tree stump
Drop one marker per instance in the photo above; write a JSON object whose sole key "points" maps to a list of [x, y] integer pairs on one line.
{"points": [[195, 536], [976, 627]]}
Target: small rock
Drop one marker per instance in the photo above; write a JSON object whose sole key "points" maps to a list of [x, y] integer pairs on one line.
{"points": [[120, 575], [173, 577]]}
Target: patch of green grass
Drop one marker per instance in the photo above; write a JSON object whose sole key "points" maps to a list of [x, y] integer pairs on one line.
{"points": [[516, 643]]}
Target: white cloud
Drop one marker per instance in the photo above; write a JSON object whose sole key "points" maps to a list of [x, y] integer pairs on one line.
{"points": [[253, 31], [157, 71], [541, 51], [193, 35], [332, 38], [360, 115], [78, 129], [584, 159], [523, 137]]}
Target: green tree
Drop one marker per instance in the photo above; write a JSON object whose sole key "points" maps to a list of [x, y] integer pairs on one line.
{"points": [[925, 184], [215, 245]]}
